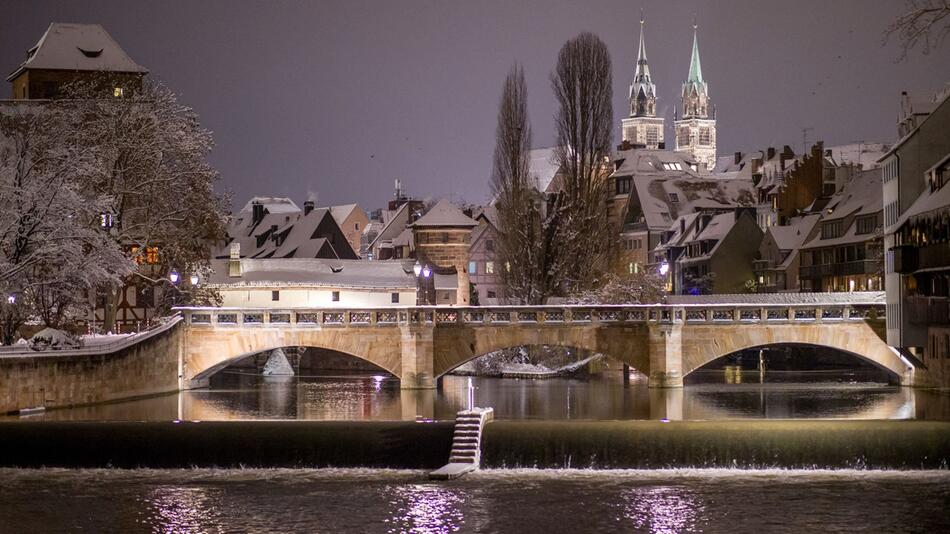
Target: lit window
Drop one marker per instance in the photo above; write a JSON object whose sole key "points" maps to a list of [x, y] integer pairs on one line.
{"points": [[151, 255], [508, 266], [335, 296], [118, 92], [471, 267], [106, 220], [489, 267]]}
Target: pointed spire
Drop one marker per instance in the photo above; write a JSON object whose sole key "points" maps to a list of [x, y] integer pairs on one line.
{"points": [[695, 69], [643, 69]]}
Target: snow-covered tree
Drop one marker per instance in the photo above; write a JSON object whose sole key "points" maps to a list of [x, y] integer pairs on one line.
{"points": [[634, 288], [152, 172], [52, 251]]}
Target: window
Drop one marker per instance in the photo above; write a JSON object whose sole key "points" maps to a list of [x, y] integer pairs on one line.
{"points": [[118, 92], [674, 197], [682, 137], [275, 295], [831, 229], [471, 267], [335, 296], [356, 226], [445, 237], [673, 166], [490, 294], [623, 185], [151, 255], [705, 137], [489, 267], [490, 245], [867, 225], [652, 136], [394, 298], [106, 220]]}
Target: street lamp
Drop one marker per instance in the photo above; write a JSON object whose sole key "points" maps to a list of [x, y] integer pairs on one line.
{"points": [[194, 279], [426, 271], [664, 268], [417, 268], [173, 276], [11, 299]]}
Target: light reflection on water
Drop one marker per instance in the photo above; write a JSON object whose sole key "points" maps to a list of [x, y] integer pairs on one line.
{"points": [[661, 510], [236, 396], [425, 508], [547, 502]]}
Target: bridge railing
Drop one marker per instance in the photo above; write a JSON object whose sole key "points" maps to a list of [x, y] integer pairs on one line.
{"points": [[528, 315]]}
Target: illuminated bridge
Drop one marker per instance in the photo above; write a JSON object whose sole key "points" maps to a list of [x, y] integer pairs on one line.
{"points": [[420, 344]]}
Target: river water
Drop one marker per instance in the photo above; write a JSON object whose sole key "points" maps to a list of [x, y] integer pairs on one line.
{"points": [[489, 501], [712, 395]]}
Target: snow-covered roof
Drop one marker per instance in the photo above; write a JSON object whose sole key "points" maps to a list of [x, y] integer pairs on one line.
{"points": [[779, 299], [316, 273], [444, 214], [542, 167], [665, 199], [78, 47], [272, 205], [865, 154], [792, 235], [862, 195], [340, 213], [395, 226]]}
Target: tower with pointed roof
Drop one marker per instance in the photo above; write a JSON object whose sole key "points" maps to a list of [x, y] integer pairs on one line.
{"points": [[696, 129], [642, 127]]}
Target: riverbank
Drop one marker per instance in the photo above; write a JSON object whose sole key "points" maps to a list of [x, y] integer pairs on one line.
{"points": [[506, 444]]}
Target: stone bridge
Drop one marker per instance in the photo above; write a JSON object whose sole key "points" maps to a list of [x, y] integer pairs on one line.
{"points": [[420, 344]]}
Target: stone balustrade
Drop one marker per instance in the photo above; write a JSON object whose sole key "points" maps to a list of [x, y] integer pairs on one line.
{"points": [[527, 315]]}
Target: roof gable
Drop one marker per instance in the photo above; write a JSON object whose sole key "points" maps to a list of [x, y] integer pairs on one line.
{"points": [[78, 47]]}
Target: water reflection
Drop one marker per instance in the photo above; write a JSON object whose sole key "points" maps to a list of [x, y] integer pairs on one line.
{"points": [[661, 510], [425, 508], [235, 396], [180, 509]]}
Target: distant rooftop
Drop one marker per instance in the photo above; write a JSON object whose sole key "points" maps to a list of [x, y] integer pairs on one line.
{"points": [[78, 47], [444, 213]]}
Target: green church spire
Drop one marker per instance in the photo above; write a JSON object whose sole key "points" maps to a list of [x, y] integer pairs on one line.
{"points": [[695, 69]]}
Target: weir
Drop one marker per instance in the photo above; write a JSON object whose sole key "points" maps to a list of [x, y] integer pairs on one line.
{"points": [[808, 444]]}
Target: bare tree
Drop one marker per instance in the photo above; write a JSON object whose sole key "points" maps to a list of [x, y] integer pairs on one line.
{"points": [[926, 23], [524, 245], [582, 83]]}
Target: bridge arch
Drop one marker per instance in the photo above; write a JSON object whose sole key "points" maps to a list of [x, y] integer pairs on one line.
{"points": [[208, 350], [457, 347], [701, 347]]}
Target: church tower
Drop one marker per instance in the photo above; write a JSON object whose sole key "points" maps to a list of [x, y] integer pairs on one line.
{"points": [[642, 127], [696, 131]]}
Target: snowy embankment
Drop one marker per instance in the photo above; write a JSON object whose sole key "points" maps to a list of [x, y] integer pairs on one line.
{"points": [[529, 370]]}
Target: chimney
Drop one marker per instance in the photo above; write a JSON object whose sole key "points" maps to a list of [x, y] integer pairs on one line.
{"points": [[770, 152], [234, 262], [737, 157], [307, 207], [257, 212], [682, 226]]}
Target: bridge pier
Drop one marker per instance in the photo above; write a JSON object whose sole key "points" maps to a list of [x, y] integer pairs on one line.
{"points": [[665, 347], [417, 356]]}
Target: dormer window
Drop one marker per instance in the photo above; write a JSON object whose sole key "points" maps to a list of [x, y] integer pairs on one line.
{"points": [[90, 52], [674, 198]]}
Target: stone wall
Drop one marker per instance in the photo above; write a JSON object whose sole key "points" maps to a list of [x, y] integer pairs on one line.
{"points": [[66, 378]]}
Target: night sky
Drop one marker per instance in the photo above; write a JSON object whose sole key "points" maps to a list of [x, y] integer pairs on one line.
{"points": [[340, 98]]}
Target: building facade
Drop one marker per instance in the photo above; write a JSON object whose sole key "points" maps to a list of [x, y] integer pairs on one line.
{"points": [[915, 221]]}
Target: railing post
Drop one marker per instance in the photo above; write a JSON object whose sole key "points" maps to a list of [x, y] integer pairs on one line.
{"points": [[791, 314], [818, 313], [846, 312]]}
